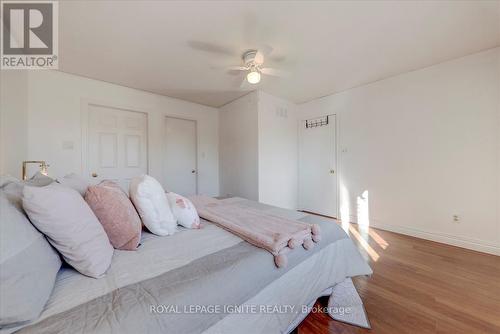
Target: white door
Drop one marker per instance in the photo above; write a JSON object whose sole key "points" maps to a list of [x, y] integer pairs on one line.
{"points": [[317, 166], [117, 144], [180, 156]]}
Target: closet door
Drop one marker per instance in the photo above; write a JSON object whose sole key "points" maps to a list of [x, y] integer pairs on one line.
{"points": [[180, 151], [317, 166], [117, 144]]}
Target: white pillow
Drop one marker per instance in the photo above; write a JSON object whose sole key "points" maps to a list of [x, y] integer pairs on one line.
{"points": [[6, 179], [151, 202], [76, 182], [71, 227], [183, 210]]}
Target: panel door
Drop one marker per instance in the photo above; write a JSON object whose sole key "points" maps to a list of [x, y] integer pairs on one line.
{"points": [[317, 167], [117, 144], [180, 161]]}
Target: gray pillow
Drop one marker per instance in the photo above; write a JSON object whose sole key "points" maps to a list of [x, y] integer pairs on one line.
{"points": [[39, 180], [71, 227], [28, 267], [14, 188]]}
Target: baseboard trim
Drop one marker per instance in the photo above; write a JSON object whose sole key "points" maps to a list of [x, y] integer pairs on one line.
{"points": [[317, 214], [472, 244]]}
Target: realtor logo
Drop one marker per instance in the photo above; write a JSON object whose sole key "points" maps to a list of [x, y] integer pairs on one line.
{"points": [[29, 32]]}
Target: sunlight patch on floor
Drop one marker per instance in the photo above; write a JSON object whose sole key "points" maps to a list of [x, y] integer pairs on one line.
{"points": [[378, 239], [362, 241]]}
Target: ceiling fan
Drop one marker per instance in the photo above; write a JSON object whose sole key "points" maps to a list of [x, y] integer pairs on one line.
{"points": [[253, 61]]}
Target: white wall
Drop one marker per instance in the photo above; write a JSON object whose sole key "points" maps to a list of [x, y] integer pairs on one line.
{"points": [[426, 146], [54, 116], [278, 151], [13, 120], [238, 144], [258, 145]]}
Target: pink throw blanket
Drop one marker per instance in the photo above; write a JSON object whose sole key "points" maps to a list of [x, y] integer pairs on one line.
{"points": [[274, 234]]}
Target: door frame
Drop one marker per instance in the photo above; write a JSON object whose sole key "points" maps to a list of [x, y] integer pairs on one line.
{"points": [[336, 155], [196, 162], [84, 120]]}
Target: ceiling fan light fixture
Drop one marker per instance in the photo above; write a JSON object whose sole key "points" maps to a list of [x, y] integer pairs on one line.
{"points": [[253, 77]]}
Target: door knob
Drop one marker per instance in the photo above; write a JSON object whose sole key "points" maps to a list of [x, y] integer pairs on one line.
{"points": [[94, 174]]}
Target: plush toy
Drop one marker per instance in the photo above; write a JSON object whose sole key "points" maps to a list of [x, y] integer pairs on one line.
{"points": [[183, 210]]}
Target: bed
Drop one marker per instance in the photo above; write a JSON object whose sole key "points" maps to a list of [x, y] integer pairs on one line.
{"points": [[201, 281]]}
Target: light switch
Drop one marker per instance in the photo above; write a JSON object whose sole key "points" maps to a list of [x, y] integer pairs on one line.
{"points": [[68, 145]]}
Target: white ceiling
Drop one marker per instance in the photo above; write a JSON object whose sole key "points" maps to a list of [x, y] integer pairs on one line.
{"points": [[171, 48]]}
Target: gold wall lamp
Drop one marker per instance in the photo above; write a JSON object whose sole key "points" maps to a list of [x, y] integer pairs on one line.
{"points": [[42, 164]]}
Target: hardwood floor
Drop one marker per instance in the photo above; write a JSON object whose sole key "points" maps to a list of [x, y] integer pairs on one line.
{"points": [[420, 286]]}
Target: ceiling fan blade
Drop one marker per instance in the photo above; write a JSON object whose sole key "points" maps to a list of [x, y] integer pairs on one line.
{"points": [[274, 72], [212, 48], [236, 68], [277, 58], [262, 52], [244, 83], [231, 70], [239, 80]]}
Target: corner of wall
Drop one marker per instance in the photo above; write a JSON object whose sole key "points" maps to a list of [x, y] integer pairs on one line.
{"points": [[13, 121], [498, 140], [277, 151]]}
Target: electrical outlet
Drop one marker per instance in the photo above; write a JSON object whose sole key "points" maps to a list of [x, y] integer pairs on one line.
{"points": [[456, 219]]}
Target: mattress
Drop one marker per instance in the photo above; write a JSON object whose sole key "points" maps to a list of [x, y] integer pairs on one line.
{"points": [[201, 281]]}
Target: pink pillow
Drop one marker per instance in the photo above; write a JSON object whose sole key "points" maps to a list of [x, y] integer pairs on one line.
{"points": [[116, 213]]}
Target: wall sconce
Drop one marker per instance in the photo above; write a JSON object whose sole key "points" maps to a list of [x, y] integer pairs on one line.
{"points": [[42, 164]]}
